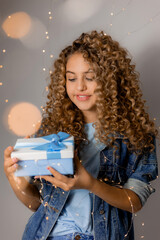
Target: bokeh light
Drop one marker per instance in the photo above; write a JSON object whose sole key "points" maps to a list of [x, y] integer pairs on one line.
{"points": [[24, 119], [36, 36], [17, 25], [78, 11]]}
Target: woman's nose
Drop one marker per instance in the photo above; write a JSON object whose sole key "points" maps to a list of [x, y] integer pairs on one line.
{"points": [[81, 85]]}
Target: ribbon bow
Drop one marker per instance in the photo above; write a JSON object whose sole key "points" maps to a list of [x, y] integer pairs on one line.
{"points": [[55, 142]]}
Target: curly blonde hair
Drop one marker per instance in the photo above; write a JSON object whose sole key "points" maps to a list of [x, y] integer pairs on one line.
{"points": [[120, 108]]}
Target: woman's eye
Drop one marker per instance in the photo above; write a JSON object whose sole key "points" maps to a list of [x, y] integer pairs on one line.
{"points": [[71, 79], [89, 79]]}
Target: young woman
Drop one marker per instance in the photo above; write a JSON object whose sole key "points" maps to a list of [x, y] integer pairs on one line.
{"points": [[94, 95]]}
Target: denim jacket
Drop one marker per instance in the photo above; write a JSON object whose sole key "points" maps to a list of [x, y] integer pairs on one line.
{"points": [[117, 165]]}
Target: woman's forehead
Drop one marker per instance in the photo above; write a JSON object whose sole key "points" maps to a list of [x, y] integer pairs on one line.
{"points": [[78, 62]]}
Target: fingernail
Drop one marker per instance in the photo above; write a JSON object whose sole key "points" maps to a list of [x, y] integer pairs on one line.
{"points": [[15, 165], [14, 160], [48, 168]]}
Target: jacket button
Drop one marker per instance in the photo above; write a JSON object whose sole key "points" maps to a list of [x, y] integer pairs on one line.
{"points": [[77, 237], [101, 211]]}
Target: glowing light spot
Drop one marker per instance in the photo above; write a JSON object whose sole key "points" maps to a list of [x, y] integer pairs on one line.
{"points": [[43, 50], [112, 13], [81, 10], [50, 17], [46, 33], [6, 100], [21, 118], [49, 13], [47, 218], [4, 50], [1, 66], [44, 69], [29, 206], [47, 37], [51, 56], [143, 224], [17, 25], [1, 83], [35, 37], [46, 89]]}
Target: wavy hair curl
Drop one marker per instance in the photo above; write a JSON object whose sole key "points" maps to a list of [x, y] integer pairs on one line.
{"points": [[120, 108]]}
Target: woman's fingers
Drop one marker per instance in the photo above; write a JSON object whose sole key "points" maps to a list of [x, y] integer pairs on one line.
{"points": [[12, 168], [10, 164], [56, 174], [55, 182], [8, 151], [58, 179]]}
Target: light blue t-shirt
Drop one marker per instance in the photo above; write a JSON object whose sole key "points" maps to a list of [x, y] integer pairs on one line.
{"points": [[76, 214]]}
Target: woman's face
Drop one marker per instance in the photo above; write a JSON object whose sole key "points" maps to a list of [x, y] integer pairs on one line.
{"points": [[81, 85]]}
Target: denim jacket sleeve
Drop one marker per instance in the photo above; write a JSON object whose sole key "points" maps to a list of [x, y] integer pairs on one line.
{"points": [[145, 171], [142, 189]]}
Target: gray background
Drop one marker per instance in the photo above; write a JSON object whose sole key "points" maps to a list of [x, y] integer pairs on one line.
{"points": [[24, 79]]}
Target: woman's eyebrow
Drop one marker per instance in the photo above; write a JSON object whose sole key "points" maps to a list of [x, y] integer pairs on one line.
{"points": [[88, 71], [70, 72]]}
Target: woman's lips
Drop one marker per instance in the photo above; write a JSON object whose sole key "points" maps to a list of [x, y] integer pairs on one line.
{"points": [[83, 97]]}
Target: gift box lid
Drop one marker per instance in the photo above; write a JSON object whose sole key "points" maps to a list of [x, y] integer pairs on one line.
{"points": [[59, 145]]}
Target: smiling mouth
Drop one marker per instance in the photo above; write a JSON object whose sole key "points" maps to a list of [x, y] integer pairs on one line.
{"points": [[83, 97]]}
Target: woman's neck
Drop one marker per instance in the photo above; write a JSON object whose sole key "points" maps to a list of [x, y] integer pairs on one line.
{"points": [[89, 116]]}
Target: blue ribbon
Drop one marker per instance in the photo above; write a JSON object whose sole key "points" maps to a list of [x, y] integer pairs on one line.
{"points": [[55, 142]]}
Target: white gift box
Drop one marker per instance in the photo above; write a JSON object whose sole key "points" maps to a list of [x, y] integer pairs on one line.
{"points": [[35, 154]]}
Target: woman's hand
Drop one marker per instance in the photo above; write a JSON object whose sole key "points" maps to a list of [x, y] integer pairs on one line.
{"points": [[10, 164], [82, 179], [27, 193]]}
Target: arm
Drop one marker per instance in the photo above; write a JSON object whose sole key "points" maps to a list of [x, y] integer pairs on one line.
{"points": [[27, 193], [124, 199], [118, 197]]}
